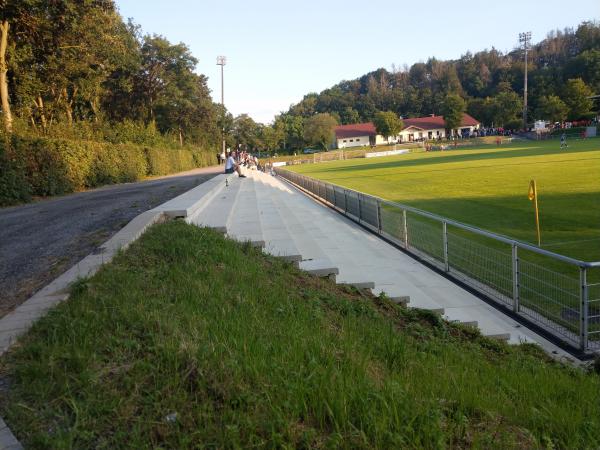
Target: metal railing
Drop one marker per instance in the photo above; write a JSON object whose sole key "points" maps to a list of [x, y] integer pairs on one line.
{"points": [[555, 292]]}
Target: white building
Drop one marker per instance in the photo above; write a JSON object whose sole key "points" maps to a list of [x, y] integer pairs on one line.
{"points": [[433, 127], [418, 129]]}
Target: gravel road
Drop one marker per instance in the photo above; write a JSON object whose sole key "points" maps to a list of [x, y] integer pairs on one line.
{"points": [[39, 241]]}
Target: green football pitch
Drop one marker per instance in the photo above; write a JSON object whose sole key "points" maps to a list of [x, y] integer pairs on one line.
{"points": [[487, 187]]}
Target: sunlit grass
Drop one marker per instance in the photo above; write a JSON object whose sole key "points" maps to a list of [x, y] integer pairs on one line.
{"points": [[189, 340], [487, 187]]}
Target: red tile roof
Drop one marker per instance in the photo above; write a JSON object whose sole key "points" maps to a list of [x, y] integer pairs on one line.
{"points": [[424, 123], [354, 130], [435, 122]]}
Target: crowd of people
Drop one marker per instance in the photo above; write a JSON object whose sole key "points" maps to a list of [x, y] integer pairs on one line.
{"points": [[237, 159]]}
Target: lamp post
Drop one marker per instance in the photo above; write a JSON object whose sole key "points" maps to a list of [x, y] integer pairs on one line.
{"points": [[221, 61], [525, 38]]}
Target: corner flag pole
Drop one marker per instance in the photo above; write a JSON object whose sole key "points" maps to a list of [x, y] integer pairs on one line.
{"points": [[532, 195]]}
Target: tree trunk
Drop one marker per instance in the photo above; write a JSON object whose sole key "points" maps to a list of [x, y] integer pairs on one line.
{"points": [[8, 120], [40, 106], [180, 137], [69, 104]]}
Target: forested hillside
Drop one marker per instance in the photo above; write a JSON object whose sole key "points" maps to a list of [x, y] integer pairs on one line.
{"points": [[74, 71], [563, 68]]}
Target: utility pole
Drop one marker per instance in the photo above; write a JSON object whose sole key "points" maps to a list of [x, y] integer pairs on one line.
{"points": [[525, 38], [221, 61]]}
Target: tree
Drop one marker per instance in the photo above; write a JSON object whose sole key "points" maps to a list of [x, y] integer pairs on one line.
{"points": [[245, 131], [387, 124], [482, 109], [4, 27], [552, 108], [271, 136], [453, 109], [507, 105], [318, 130], [349, 115], [576, 95]]}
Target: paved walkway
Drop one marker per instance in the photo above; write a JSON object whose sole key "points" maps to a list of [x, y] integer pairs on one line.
{"points": [[40, 240], [270, 213]]}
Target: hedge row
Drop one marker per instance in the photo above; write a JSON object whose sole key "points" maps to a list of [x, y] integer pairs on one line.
{"points": [[41, 167]]}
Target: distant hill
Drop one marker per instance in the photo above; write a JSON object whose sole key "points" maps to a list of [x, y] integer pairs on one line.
{"points": [[491, 83]]}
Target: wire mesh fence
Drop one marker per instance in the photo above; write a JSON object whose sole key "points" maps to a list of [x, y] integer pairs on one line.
{"points": [[558, 293]]}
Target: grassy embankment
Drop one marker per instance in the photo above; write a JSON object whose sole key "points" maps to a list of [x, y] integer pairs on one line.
{"points": [[188, 339]]}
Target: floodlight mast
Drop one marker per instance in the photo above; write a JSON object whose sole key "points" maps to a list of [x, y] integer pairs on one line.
{"points": [[221, 61], [525, 39]]}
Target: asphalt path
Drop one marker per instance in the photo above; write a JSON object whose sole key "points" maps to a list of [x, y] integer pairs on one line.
{"points": [[40, 240]]}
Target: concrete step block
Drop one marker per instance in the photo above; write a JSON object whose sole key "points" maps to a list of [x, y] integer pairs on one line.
{"points": [[403, 300], [360, 285]]}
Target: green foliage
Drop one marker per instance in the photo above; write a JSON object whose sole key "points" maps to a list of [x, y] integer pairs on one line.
{"points": [[452, 110], [318, 130], [490, 81], [75, 68], [507, 105], [181, 339], [13, 185], [552, 108], [577, 99], [163, 162], [51, 166], [387, 123]]}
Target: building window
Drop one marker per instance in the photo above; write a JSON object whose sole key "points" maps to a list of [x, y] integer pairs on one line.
{"points": [[351, 140], [357, 140], [344, 140]]}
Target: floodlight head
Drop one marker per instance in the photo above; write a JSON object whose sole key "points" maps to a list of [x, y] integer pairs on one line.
{"points": [[525, 37], [221, 60]]}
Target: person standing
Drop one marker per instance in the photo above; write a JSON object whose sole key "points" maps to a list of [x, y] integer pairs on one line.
{"points": [[563, 140], [223, 157]]}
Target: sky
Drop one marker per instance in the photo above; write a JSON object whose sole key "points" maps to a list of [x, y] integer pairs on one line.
{"points": [[278, 51]]}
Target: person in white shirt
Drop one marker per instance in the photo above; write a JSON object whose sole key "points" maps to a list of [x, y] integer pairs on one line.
{"points": [[231, 166]]}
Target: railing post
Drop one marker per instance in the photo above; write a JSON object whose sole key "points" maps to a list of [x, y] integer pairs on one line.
{"points": [[515, 277], [583, 309], [405, 228], [345, 202], [359, 207], [445, 243], [378, 216]]}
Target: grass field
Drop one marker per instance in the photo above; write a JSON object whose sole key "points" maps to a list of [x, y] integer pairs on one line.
{"points": [[487, 187], [189, 340]]}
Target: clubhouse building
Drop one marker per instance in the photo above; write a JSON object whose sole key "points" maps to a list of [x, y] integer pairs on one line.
{"points": [[417, 129]]}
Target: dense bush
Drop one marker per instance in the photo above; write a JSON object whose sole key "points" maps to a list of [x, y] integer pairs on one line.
{"points": [[13, 185], [44, 166]]}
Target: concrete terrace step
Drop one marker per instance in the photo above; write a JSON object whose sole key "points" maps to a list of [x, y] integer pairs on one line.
{"points": [[278, 241], [398, 275], [186, 204], [314, 259], [216, 213], [244, 223]]}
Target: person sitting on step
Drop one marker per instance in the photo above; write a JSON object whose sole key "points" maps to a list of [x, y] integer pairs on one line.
{"points": [[231, 166]]}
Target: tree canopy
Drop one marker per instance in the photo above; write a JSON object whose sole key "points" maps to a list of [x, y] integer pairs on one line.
{"points": [[76, 62], [387, 123], [453, 109], [318, 130], [490, 82]]}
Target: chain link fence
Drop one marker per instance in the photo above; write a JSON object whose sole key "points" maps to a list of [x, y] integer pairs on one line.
{"points": [[555, 292]]}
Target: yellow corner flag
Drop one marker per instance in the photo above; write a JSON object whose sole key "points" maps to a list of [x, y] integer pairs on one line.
{"points": [[532, 195]]}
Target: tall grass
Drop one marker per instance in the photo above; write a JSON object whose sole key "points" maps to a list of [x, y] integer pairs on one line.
{"points": [[189, 340]]}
